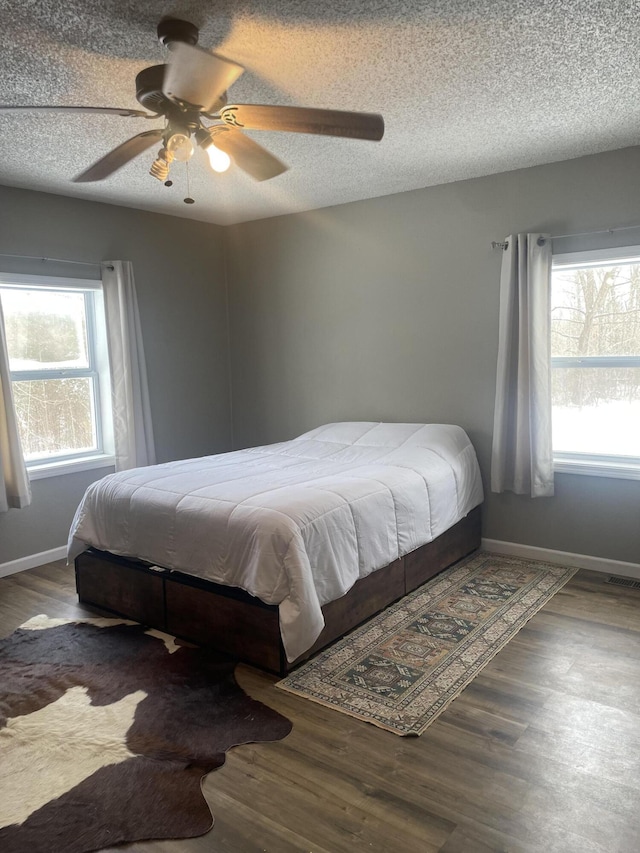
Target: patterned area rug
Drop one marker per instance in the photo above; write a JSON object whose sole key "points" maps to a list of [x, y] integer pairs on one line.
{"points": [[403, 667], [106, 730]]}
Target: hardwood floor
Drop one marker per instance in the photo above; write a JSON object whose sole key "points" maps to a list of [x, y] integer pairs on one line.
{"points": [[541, 753]]}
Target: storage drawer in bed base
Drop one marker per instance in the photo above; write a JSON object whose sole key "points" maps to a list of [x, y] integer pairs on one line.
{"points": [[241, 625]]}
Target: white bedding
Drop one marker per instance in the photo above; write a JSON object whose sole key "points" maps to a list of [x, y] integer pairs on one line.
{"points": [[295, 523]]}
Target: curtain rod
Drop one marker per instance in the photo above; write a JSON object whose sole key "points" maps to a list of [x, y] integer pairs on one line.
{"points": [[54, 260], [504, 245]]}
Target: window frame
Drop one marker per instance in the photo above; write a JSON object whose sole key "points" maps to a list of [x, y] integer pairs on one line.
{"points": [[594, 464], [97, 370]]}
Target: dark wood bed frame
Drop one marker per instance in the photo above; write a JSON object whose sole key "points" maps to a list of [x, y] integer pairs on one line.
{"points": [[241, 625]]}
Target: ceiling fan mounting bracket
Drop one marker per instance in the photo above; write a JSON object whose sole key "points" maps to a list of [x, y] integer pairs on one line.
{"points": [[173, 29]]}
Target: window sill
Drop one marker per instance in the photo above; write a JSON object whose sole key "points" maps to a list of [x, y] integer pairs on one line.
{"points": [[592, 468], [69, 466]]}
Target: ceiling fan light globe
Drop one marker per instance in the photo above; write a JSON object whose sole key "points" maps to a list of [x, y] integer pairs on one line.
{"points": [[180, 146], [218, 160]]}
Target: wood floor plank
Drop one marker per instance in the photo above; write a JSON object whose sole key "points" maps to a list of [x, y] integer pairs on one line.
{"points": [[540, 754], [311, 807], [349, 788]]}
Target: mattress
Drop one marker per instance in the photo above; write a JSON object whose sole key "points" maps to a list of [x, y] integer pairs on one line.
{"points": [[295, 523]]}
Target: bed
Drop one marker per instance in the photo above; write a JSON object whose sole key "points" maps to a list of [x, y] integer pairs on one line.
{"points": [[272, 552]]}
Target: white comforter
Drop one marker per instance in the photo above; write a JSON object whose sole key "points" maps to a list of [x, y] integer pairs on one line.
{"points": [[296, 523]]}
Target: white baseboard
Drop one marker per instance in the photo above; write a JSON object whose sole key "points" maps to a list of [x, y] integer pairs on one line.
{"points": [[33, 560], [564, 558]]}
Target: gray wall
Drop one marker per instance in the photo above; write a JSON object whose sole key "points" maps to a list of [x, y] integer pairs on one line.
{"points": [[179, 271], [388, 310]]}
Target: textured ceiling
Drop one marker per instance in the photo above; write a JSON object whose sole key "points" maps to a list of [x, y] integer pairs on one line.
{"points": [[466, 88]]}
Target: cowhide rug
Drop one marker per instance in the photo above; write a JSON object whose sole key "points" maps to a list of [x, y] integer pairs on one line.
{"points": [[106, 731]]}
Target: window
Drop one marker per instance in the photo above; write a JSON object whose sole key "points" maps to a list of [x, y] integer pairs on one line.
{"points": [[56, 340], [595, 363]]}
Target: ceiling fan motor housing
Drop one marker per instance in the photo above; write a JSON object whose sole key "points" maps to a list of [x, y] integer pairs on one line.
{"points": [[149, 89], [149, 83]]}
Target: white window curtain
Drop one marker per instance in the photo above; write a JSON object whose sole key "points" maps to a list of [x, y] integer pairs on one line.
{"points": [[133, 434], [522, 458], [15, 490]]}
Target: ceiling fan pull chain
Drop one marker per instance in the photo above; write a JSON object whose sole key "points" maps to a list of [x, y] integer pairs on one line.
{"points": [[188, 199]]}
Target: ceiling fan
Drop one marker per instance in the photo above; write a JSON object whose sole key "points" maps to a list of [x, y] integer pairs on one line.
{"points": [[191, 87]]}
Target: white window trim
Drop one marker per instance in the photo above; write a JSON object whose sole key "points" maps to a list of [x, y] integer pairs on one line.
{"points": [[593, 256], [619, 468], [39, 469], [35, 282], [595, 465]]}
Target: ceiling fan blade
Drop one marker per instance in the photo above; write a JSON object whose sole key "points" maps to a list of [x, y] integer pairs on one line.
{"points": [[119, 157], [248, 155], [197, 77], [8, 108], [305, 120]]}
